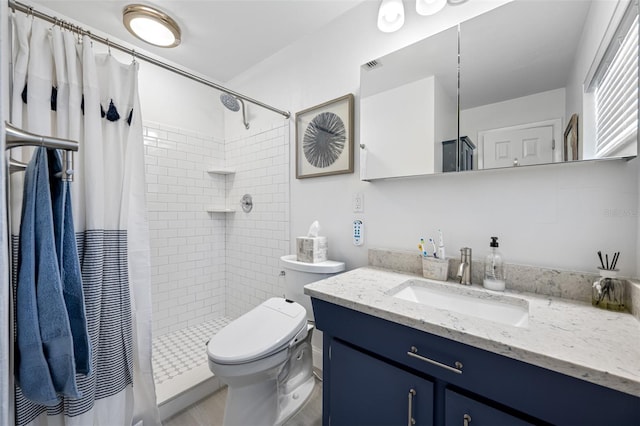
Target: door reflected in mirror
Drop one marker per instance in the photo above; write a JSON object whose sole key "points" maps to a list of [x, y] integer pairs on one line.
{"points": [[540, 82], [526, 91]]}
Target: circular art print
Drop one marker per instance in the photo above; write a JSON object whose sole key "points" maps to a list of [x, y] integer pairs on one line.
{"points": [[324, 139]]}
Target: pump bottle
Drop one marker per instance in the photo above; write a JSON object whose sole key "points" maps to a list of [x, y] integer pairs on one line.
{"points": [[494, 268]]}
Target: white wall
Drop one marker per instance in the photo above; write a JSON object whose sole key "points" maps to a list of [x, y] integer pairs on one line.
{"points": [[256, 240], [187, 243], [557, 216], [176, 101]]}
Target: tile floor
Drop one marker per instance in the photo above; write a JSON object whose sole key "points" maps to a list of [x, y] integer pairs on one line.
{"points": [[180, 361], [210, 411], [180, 351]]}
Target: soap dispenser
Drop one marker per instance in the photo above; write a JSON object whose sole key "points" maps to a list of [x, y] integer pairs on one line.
{"points": [[493, 268]]}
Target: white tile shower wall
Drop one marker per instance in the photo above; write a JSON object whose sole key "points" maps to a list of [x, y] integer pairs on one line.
{"points": [[187, 243], [256, 240]]}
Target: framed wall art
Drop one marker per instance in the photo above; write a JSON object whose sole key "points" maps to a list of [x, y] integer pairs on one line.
{"points": [[324, 139], [571, 139]]}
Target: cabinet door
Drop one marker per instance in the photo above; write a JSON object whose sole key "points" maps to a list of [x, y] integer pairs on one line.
{"points": [[367, 391], [463, 411]]}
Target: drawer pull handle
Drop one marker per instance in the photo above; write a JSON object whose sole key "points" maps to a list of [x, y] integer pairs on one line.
{"points": [[411, 420], [466, 419], [414, 353]]}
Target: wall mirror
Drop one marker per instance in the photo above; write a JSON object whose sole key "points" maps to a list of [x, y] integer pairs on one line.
{"points": [[408, 105], [531, 78]]}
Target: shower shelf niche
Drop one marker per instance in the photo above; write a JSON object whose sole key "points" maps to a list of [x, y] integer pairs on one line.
{"points": [[220, 210], [221, 171]]}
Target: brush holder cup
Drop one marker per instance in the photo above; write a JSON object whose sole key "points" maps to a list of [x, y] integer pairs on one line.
{"points": [[435, 269], [608, 291]]}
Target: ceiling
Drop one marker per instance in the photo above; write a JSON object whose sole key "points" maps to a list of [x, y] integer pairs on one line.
{"points": [[220, 38]]}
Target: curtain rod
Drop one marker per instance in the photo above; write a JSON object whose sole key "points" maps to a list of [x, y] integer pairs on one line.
{"points": [[16, 5]]}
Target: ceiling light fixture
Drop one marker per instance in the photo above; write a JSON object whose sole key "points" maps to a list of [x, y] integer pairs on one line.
{"points": [[151, 25], [429, 7], [390, 16]]}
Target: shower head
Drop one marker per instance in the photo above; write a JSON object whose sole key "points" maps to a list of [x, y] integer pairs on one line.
{"points": [[233, 104]]}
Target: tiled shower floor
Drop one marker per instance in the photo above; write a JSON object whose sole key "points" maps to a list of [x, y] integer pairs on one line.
{"points": [[180, 351], [180, 362]]}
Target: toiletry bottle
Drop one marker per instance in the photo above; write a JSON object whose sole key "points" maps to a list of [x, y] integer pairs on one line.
{"points": [[493, 268]]}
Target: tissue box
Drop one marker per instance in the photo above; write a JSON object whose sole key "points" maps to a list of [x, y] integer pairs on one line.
{"points": [[311, 249], [435, 269]]}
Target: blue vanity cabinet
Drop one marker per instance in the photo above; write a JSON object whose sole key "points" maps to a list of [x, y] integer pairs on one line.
{"points": [[366, 391], [366, 356], [462, 410]]}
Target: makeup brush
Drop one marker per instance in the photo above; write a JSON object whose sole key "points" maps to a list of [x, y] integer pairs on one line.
{"points": [[614, 262]]}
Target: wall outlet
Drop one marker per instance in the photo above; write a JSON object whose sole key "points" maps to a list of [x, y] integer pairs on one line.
{"points": [[358, 202]]}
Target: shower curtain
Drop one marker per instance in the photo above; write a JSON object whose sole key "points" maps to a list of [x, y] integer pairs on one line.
{"points": [[61, 88]]}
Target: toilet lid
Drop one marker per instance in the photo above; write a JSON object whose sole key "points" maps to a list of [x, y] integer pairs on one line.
{"points": [[260, 332]]}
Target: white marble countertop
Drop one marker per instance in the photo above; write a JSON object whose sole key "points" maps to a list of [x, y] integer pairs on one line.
{"points": [[569, 337]]}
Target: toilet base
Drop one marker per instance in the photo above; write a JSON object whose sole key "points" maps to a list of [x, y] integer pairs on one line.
{"points": [[278, 393], [256, 404], [267, 407], [290, 403]]}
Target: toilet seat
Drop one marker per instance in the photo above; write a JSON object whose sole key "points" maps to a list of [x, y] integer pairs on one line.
{"points": [[265, 330]]}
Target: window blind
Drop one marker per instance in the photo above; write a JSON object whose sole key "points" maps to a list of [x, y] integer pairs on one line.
{"points": [[617, 96]]}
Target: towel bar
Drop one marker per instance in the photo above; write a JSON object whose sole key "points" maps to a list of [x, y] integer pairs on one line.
{"points": [[16, 166], [16, 137]]}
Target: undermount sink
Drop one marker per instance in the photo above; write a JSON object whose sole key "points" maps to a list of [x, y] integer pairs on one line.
{"points": [[464, 300]]}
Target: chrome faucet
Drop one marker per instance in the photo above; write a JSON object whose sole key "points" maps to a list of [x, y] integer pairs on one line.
{"points": [[464, 271]]}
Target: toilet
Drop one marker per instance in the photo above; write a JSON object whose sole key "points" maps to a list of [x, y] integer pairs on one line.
{"points": [[265, 356]]}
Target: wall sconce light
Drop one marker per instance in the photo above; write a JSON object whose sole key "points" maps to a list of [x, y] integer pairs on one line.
{"points": [[151, 25], [390, 16], [429, 7]]}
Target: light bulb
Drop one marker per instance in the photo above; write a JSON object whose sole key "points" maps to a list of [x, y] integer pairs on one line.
{"points": [[429, 7], [152, 31], [390, 15]]}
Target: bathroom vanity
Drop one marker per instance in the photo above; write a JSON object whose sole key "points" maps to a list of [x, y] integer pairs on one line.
{"points": [[391, 360]]}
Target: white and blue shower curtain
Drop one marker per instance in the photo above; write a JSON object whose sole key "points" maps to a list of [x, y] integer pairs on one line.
{"points": [[61, 88]]}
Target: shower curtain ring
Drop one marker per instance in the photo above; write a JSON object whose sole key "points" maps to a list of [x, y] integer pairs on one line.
{"points": [[109, 47]]}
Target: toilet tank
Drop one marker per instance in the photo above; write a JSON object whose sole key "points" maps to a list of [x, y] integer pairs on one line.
{"points": [[298, 274]]}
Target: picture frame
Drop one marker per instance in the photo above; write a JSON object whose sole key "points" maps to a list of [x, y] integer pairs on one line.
{"points": [[324, 139], [571, 139]]}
